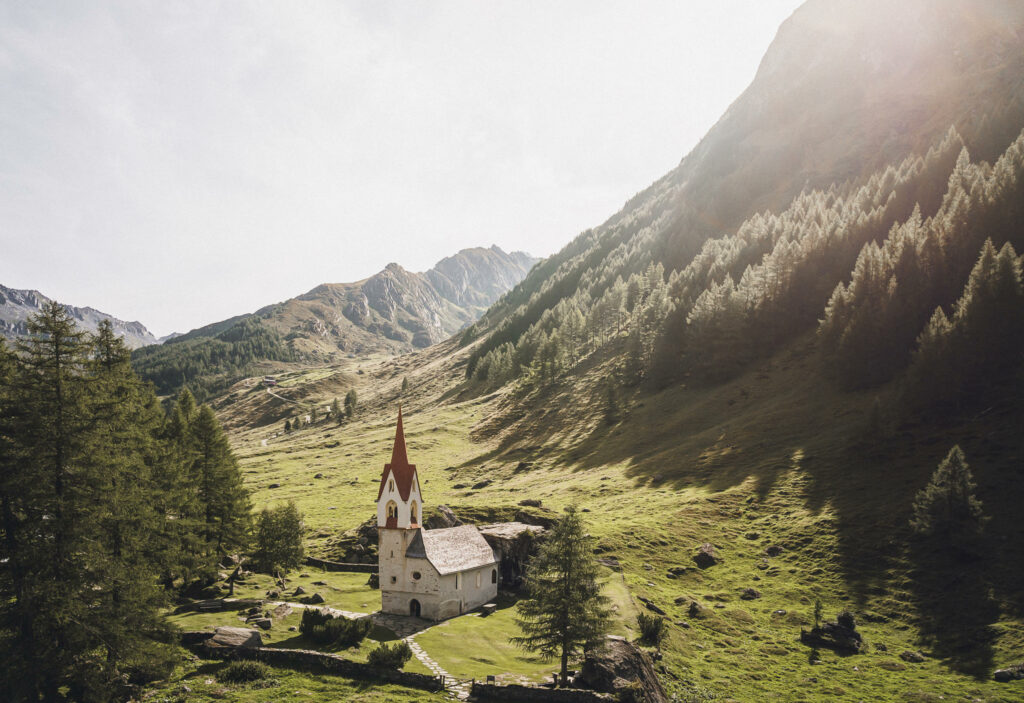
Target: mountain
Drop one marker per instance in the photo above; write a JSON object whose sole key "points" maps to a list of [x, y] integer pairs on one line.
{"points": [[16, 306], [393, 311]]}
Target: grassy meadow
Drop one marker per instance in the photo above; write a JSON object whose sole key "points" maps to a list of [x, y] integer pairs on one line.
{"points": [[775, 458]]}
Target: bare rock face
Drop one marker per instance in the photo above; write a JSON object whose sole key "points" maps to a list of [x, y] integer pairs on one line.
{"points": [[840, 636], [443, 519], [616, 666], [515, 543], [235, 637]]}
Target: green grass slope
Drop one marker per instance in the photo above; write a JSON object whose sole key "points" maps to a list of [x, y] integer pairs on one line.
{"points": [[777, 457]]}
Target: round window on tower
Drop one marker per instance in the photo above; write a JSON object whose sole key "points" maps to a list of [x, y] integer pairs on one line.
{"points": [[416, 575]]}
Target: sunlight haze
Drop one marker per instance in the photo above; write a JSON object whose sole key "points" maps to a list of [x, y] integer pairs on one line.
{"points": [[178, 164]]}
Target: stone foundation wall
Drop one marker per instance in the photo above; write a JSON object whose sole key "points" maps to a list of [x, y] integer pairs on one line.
{"points": [[532, 694], [304, 659], [339, 566]]}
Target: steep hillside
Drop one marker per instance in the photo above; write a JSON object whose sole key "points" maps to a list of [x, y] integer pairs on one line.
{"points": [[16, 306]]}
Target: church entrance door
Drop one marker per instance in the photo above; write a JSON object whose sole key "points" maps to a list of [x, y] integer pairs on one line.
{"points": [[414, 608]]}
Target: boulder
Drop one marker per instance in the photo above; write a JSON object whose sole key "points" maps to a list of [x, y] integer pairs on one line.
{"points": [[315, 599], [706, 556], [650, 605], [1012, 673], [840, 636], [300, 591], [481, 484], [619, 666], [750, 594], [235, 637], [444, 518], [531, 502], [912, 657], [282, 611], [263, 623], [516, 542]]}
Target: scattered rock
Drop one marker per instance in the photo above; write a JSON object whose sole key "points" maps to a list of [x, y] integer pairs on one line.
{"points": [[235, 637], [263, 623], [319, 583], [531, 502], [912, 657], [303, 576], [773, 550], [683, 624], [524, 466], [881, 648], [315, 599], [706, 556], [481, 484], [648, 567], [611, 562], [650, 605], [282, 611], [293, 629], [300, 591], [444, 518], [750, 594], [753, 535], [319, 476], [1012, 673], [840, 636], [616, 666], [459, 486], [274, 485]]}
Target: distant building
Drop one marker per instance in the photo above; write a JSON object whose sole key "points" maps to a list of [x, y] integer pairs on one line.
{"points": [[434, 574], [269, 381]]}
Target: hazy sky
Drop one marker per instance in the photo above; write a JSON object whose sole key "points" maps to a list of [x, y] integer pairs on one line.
{"points": [[178, 163]]}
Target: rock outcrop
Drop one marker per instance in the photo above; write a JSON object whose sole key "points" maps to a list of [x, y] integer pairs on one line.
{"points": [[620, 666], [515, 542]]}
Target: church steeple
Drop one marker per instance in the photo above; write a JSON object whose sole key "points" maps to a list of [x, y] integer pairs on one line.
{"points": [[399, 502], [398, 454]]}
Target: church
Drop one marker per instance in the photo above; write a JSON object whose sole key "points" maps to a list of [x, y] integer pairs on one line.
{"points": [[433, 574]]}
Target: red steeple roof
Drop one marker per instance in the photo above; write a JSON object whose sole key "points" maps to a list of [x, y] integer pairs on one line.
{"points": [[403, 471]]}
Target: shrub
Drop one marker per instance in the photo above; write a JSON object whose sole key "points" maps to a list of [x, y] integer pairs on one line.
{"points": [[243, 672], [847, 620], [390, 657], [324, 628], [652, 629]]}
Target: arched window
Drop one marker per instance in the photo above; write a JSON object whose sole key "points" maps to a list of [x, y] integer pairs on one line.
{"points": [[478, 579], [412, 512], [392, 510], [494, 576], [391, 485]]}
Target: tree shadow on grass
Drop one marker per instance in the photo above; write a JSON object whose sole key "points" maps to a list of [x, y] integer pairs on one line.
{"points": [[955, 606]]}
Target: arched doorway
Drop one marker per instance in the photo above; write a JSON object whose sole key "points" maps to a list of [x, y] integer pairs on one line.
{"points": [[414, 608]]}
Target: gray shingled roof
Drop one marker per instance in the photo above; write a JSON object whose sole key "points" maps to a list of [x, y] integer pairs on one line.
{"points": [[452, 549]]}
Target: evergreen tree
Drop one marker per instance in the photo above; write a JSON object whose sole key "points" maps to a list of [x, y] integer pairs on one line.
{"points": [[225, 501], [279, 535], [287, 426], [947, 505], [336, 413], [564, 611], [405, 385], [351, 401]]}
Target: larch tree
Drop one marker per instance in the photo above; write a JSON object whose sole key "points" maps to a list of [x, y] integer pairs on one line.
{"points": [[948, 505], [564, 612]]}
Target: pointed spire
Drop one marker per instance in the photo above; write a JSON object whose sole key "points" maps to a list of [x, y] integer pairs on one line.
{"points": [[398, 455]]}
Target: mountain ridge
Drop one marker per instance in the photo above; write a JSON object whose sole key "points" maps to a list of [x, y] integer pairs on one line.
{"points": [[17, 305]]}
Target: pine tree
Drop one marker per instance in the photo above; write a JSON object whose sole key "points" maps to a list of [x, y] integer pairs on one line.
{"points": [[947, 505], [336, 412], [564, 611], [279, 534], [287, 426], [405, 385]]}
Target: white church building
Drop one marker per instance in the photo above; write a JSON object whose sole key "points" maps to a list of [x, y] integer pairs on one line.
{"points": [[433, 574]]}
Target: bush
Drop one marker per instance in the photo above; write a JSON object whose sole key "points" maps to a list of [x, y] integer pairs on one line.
{"points": [[652, 629], [243, 672], [324, 628], [847, 620], [390, 657]]}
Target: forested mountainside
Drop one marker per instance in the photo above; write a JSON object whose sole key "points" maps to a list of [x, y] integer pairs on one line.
{"points": [[16, 306], [393, 311], [856, 182]]}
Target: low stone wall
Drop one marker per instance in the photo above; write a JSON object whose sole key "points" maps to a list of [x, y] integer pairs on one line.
{"points": [[536, 694], [327, 663], [339, 566]]}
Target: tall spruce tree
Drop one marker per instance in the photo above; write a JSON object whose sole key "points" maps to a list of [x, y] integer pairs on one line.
{"points": [[564, 612]]}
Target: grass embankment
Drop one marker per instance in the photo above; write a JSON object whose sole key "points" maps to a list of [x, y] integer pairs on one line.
{"points": [[775, 458]]}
